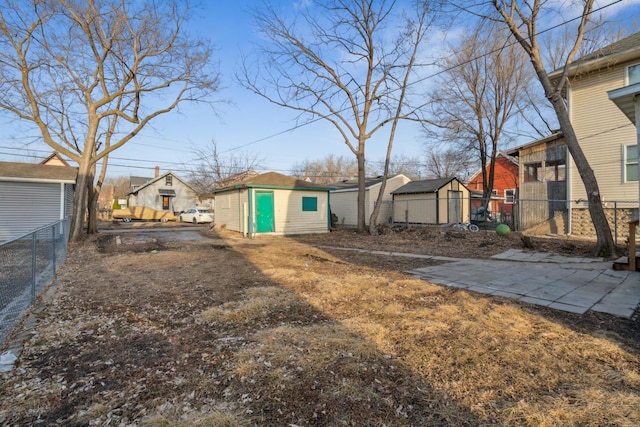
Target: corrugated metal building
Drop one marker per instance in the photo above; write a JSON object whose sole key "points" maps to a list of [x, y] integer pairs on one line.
{"points": [[272, 203], [33, 195]]}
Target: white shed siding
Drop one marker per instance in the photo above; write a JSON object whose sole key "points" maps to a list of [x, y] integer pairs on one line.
{"points": [[230, 209], [415, 208], [344, 204], [27, 206], [289, 218], [602, 130]]}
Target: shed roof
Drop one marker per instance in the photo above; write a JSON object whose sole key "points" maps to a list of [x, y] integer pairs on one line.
{"points": [[424, 186], [36, 172], [275, 180], [352, 184]]}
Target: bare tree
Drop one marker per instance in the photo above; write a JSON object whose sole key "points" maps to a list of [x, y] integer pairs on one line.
{"points": [[90, 75], [480, 93], [212, 169], [329, 169], [522, 18], [445, 162], [410, 166], [120, 186], [344, 61]]}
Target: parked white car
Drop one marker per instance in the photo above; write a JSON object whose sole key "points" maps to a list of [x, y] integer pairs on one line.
{"points": [[196, 216]]}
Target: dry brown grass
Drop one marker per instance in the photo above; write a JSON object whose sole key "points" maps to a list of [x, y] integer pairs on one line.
{"points": [[501, 360], [275, 333]]}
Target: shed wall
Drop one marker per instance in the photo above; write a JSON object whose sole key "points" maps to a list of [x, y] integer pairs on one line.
{"points": [[231, 206], [289, 218], [29, 205]]}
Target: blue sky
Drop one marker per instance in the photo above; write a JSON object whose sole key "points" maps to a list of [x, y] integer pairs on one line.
{"points": [[246, 124]]}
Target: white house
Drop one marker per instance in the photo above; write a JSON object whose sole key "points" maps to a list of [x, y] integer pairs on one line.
{"points": [[272, 203], [344, 199]]}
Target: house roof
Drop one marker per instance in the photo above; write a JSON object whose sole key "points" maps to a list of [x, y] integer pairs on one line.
{"points": [[55, 156], [550, 138], [623, 50], [352, 184], [424, 186], [138, 181], [152, 180], [10, 171], [275, 180]]}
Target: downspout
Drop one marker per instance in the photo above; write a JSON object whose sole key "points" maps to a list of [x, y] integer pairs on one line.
{"points": [[438, 207]]}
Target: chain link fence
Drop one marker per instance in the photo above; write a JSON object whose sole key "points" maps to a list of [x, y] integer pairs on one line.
{"points": [[27, 265]]}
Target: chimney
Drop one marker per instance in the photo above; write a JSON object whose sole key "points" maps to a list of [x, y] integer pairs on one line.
{"points": [[157, 171]]}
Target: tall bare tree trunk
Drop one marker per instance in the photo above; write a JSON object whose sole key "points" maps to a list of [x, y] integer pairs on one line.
{"points": [[362, 225]]}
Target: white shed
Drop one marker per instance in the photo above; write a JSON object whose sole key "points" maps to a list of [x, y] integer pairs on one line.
{"points": [[431, 201], [272, 203], [344, 199]]}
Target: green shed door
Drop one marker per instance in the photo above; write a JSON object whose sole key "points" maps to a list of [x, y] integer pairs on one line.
{"points": [[264, 211]]}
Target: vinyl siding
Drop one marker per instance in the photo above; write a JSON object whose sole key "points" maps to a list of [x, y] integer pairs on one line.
{"points": [[345, 204], [602, 130], [230, 208], [27, 206], [289, 218]]}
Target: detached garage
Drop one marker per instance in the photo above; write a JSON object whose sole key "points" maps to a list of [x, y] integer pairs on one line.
{"points": [[431, 201], [33, 195], [272, 203]]}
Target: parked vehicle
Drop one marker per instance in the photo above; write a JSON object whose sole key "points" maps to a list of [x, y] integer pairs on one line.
{"points": [[142, 213], [196, 216]]}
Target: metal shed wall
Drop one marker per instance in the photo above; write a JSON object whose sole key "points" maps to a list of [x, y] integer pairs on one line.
{"points": [[29, 205]]}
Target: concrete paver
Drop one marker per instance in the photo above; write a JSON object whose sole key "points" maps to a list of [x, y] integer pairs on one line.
{"points": [[572, 284]]}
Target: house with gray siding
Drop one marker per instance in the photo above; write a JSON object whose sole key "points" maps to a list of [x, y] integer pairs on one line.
{"points": [[272, 203], [34, 195], [166, 192]]}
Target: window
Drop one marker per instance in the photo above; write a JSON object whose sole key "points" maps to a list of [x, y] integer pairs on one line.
{"points": [[494, 192], [633, 74], [532, 172], [630, 153], [556, 170], [309, 204], [510, 196], [168, 180]]}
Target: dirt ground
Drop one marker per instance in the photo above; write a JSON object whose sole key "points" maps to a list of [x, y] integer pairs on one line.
{"points": [[226, 331]]}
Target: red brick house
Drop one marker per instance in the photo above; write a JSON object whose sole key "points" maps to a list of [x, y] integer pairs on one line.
{"points": [[505, 186]]}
